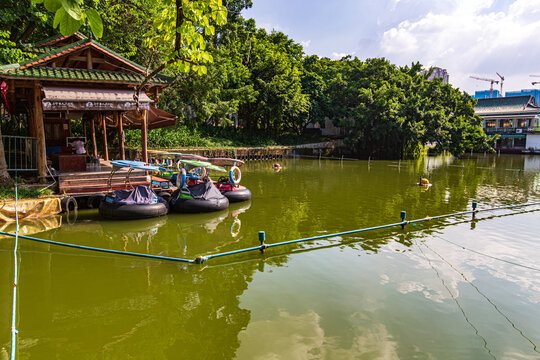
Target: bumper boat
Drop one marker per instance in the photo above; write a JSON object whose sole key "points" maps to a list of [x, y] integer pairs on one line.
{"points": [[137, 203], [196, 192], [230, 186]]}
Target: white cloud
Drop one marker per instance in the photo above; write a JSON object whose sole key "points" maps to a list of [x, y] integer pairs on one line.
{"points": [[306, 43], [338, 56], [467, 37]]}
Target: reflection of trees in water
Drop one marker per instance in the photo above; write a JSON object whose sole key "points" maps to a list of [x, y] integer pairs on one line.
{"points": [[124, 308], [310, 198]]}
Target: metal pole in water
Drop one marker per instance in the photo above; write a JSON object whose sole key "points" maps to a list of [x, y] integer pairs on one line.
{"points": [[474, 205], [403, 215]]}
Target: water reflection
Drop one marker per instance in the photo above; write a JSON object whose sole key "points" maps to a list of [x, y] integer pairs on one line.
{"points": [[371, 294], [30, 226]]}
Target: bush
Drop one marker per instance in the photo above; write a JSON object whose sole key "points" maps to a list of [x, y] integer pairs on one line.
{"points": [[212, 136], [23, 192]]}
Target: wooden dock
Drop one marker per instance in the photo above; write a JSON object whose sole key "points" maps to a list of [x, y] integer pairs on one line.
{"points": [[95, 182]]}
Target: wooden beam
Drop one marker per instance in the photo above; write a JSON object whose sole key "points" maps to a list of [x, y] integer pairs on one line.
{"points": [[85, 59], [88, 59], [105, 148], [93, 133], [144, 135], [37, 129], [119, 127]]}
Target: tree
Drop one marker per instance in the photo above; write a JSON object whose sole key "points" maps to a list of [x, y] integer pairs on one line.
{"points": [[390, 111], [275, 65], [5, 179], [70, 15]]}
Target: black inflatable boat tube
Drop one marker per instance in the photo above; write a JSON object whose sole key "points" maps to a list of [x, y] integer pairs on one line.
{"points": [[238, 195], [131, 211], [199, 205]]}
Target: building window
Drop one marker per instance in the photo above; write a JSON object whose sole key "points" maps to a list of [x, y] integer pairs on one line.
{"points": [[491, 123], [505, 123], [521, 123]]}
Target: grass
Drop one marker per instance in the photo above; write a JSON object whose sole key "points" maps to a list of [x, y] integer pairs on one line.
{"points": [[23, 192]]}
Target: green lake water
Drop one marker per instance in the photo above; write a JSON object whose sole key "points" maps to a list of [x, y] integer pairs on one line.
{"points": [[450, 289]]}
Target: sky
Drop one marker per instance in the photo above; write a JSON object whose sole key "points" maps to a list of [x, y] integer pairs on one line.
{"points": [[465, 37]]}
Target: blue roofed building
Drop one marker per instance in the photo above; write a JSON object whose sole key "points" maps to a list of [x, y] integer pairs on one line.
{"points": [[486, 94]]}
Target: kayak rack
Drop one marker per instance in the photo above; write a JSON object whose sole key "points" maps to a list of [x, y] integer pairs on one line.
{"points": [[262, 237]]}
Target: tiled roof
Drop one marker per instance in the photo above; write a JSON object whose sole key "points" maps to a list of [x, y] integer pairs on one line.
{"points": [[506, 106], [31, 68], [56, 38], [55, 53], [38, 50], [81, 75]]}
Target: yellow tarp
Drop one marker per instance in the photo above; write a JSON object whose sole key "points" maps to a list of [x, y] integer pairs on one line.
{"points": [[29, 208]]}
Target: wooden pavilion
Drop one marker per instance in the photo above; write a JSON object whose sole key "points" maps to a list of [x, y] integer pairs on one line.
{"points": [[74, 77]]}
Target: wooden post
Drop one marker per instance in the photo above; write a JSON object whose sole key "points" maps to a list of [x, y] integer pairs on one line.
{"points": [[93, 132], [89, 59], [144, 135], [105, 148], [119, 126], [37, 129]]}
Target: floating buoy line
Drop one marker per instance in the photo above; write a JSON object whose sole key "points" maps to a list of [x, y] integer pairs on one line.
{"points": [[262, 237]]}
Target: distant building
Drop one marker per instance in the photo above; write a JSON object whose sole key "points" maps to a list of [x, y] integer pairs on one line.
{"points": [[438, 72], [515, 119], [534, 92], [485, 94]]}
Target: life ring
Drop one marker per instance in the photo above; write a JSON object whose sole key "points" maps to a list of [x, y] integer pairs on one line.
{"points": [[198, 173], [235, 179], [235, 227], [181, 178]]}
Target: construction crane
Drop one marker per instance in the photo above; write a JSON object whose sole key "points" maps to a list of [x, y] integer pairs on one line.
{"points": [[502, 80], [490, 80]]}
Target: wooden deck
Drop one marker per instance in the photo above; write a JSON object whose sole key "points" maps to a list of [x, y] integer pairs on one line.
{"points": [[95, 182]]}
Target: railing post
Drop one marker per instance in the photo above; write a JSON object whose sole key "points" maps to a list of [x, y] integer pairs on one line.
{"points": [[262, 237], [474, 205], [403, 215]]}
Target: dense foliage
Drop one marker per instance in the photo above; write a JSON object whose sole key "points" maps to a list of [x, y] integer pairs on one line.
{"points": [[181, 136], [263, 83]]}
